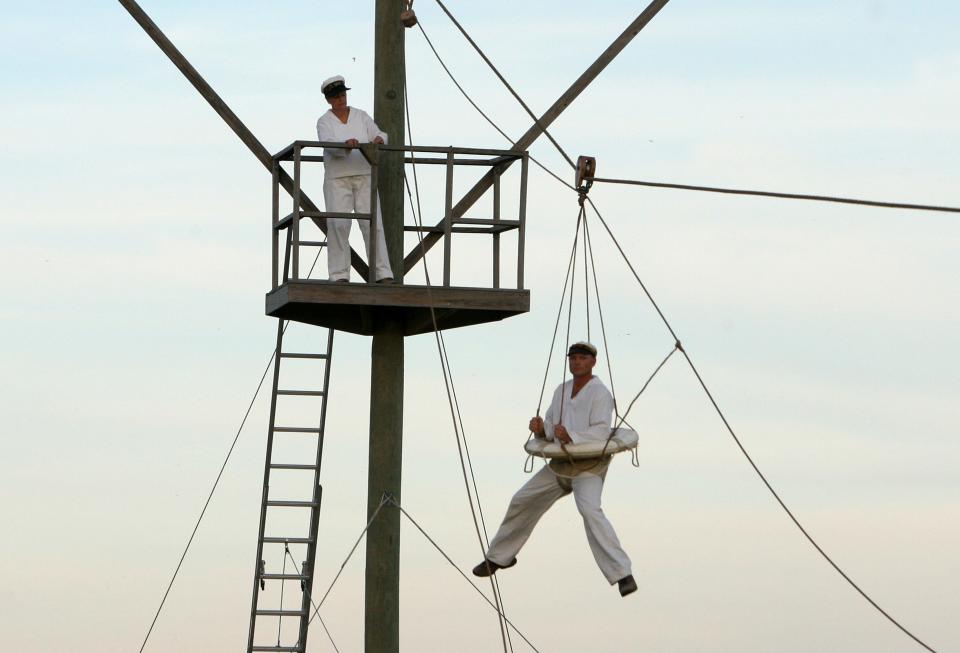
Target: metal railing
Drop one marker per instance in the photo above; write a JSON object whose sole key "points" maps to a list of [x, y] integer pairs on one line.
{"points": [[303, 207]]}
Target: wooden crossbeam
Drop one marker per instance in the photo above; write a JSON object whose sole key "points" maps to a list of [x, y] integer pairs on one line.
{"points": [[228, 116]]}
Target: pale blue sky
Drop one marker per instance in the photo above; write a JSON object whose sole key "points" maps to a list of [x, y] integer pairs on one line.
{"points": [[135, 258]]}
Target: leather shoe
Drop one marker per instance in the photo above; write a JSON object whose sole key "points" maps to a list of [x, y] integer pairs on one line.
{"points": [[489, 568], [627, 585]]}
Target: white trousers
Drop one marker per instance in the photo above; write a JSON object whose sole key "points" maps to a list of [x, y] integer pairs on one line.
{"points": [[534, 499], [351, 195]]}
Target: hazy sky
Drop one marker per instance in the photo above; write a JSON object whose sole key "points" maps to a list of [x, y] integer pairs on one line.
{"points": [[135, 257]]}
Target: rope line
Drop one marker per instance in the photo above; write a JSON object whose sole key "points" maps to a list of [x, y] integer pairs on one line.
{"points": [[743, 449], [316, 610], [603, 329], [690, 187], [206, 504], [465, 577], [623, 418], [216, 482], [283, 572], [516, 96], [573, 273], [789, 196], [556, 326], [316, 607], [453, 403], [482, 113]]}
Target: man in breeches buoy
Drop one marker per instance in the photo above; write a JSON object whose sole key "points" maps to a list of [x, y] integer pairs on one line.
{"points": [[581, 411]]}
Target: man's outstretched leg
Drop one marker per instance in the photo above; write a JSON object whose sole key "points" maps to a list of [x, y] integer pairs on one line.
{"points": [[526, 508], [610, 556]]}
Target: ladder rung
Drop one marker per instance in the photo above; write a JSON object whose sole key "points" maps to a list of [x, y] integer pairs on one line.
{"points": [[294, 504], [309, 393], [296, 429], [313, 243], [288, 540], [281, 613], [284, 577], [289, 649], [292, 466], [298, 355]]}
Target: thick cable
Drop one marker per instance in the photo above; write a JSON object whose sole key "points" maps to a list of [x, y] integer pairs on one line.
{"points": [[789, 196], [746, 455], [465, 577], [451, 395], [516, 96]]}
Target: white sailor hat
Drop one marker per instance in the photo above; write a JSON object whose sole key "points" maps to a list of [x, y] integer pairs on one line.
{"points": [[333, 86], [582, 347]]}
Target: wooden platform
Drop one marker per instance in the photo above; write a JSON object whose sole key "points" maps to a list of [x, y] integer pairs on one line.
{"points": [[358, 307]]}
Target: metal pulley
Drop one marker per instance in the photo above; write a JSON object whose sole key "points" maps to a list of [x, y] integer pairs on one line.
{"points": [[586, 171], [407, 17]]}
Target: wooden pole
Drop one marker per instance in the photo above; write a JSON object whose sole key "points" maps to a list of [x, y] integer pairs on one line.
{"points": [[382, 620]]}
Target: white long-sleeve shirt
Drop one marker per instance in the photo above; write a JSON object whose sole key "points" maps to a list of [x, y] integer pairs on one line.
{"points": [[341, 162], [586, 417]]}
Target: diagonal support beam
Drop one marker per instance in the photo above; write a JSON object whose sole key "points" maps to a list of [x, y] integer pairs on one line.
{"points": [[224, 111], [525, 141]]}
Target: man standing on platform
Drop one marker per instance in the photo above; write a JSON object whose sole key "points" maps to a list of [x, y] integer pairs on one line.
{"points": [[346, 180], [581, 410]]}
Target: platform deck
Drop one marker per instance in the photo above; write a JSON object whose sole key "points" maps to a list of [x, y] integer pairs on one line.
{"points": [[358, 307]]}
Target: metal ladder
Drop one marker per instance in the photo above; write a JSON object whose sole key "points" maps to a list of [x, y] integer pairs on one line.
{"points": [[276, 570]]}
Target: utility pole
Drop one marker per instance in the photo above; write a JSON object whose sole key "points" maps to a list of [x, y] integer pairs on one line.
{"points": [[382, 620]]}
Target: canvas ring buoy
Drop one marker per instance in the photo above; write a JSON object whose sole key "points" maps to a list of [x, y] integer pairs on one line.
{"points": [[623, 440]]}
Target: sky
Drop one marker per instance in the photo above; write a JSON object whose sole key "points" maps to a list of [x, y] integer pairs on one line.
{"points": [[135, 257]]}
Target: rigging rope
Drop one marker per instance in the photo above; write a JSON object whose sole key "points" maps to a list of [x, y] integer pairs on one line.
{"points": [[465, 577], [796, 196], [216, 482], [459, 433], [693, 368], [316, 610], [743, 449], [481, 112], [315, 606], [516, 96], [789, 196]]}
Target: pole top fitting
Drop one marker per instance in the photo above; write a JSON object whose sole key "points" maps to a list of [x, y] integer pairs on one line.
{"points": [[586, 170], [407, 17]]}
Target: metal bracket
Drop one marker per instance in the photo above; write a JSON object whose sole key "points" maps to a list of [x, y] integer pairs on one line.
{"points": [[586, 171], [407, 17]]}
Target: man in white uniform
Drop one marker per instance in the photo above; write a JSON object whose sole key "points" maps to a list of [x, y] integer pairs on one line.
{"points": [[346, 180], [581, 410]]}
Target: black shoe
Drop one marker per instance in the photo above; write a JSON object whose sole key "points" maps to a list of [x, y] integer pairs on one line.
{"points": [[489, 568], [627, 585]]}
